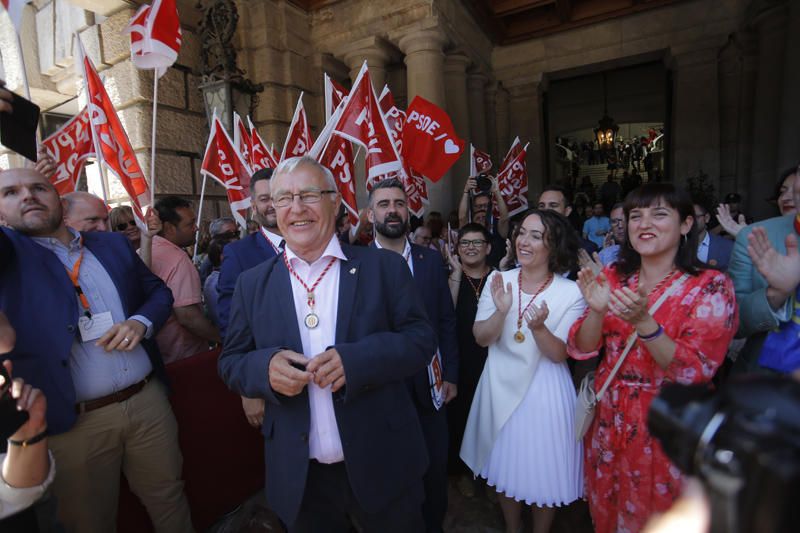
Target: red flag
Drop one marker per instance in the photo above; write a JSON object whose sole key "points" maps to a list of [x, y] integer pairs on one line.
{"points": [[223, 163], [70, 146], [430, 143], [337, 155], [513, 181], [334, 94], [260, 155], [479, 162], [361, 121], [241, 139], [110, 140], [298, 140], [14, 8], [513, 152], [155, 36], [414, 184]]}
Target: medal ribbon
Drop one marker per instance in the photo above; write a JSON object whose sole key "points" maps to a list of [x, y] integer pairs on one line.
{"points": [[309, 290], [73, 276], [522, 311], [269, 241]]}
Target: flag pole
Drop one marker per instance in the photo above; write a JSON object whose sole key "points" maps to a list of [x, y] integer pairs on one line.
{"points": [[199, 216], [153, 137]]}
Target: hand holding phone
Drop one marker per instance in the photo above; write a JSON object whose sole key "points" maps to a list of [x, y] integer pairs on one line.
{"points": [[19, 119]]}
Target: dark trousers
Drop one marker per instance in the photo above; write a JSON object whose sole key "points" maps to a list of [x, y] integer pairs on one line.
{"points": [[329, 506], [434, 427]]}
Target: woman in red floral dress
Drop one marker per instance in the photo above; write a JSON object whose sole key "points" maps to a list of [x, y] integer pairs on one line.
{"points": [[628, 477]]}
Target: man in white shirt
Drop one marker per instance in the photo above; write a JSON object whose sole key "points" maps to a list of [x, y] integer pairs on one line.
{"points": [[326, 335]]}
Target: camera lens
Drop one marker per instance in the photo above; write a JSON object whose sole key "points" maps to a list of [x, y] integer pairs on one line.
{"points": [[483, 183]]}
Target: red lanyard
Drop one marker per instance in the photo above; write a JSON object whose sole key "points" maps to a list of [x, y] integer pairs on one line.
{"points": [[73, 276], [264, 233], [797, 224], [309, 290], [541, 288]]}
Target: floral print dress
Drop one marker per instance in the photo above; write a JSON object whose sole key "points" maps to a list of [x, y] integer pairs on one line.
{"points": [[628, 477]]}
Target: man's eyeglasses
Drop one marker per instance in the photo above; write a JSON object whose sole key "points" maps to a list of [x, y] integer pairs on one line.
{"points": [[617, 221], [122, 226], [466, 243], [306, 197]]}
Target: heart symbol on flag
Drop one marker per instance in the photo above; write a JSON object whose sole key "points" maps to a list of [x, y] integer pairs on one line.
{"points": [[450, 147]]}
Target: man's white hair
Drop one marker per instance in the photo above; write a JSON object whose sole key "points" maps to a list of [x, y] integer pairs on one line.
{"points": [[289, 165]]}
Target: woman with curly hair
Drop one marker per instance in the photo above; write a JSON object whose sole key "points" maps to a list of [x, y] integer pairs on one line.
{"points": [[628, 477], [519, 433]]}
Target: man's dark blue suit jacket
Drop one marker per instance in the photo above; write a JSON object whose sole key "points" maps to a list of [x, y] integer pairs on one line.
{"points": [[39, 299], [237, 257], [430, 277], [382, 336]]}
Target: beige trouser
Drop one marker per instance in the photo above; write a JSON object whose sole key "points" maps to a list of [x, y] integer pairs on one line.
{"points": [[139, 436]]}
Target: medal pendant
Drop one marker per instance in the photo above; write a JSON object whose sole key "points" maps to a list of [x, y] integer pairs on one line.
{"points": [[311, 320], [519, 336]]}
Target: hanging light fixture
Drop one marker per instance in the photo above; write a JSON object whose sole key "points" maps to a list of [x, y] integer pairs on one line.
{"points": [[607, 128]]}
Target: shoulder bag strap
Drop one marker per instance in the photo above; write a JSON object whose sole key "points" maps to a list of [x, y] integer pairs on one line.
{"points": [[632, 339]]}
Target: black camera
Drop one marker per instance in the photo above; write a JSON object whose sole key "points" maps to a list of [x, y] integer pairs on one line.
{"points": [[743, 442], [483, 183]]}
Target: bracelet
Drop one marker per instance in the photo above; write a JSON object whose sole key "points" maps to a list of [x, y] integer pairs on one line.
{"points": [[31, 441], [451, 278], [652, 336]]}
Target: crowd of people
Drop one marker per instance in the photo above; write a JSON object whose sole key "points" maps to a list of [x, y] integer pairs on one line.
{"points": [[380, 357]]}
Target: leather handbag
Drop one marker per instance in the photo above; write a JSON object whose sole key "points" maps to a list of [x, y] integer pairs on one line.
{"points": [[587, 398]]}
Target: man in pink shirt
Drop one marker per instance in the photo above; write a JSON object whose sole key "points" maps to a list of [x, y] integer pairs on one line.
{"points": [[187, 331]]}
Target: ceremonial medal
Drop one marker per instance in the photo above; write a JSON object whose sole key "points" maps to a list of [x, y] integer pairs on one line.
{"points": [[519, 336], [311, 320]]}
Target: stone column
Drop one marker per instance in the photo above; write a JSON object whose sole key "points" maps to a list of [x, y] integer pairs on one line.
{"points": [[377, 54], [695, 115], [424, 61], [789, 144], [502, 120], [525, 122], [476, 85], [771, 30], [490, 107], [455, 80]]}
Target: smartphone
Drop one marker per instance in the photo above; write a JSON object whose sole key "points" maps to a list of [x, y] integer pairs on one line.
{"points": [[18, 129], [10, 418]]}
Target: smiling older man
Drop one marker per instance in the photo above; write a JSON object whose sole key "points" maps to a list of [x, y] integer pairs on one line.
{"points": [[326, 334]]}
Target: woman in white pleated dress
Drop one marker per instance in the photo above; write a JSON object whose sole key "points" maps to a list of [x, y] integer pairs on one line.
{"points": [[520, 433]]}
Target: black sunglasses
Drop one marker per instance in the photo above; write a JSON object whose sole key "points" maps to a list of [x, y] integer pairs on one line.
{"points": [[122, 226]]}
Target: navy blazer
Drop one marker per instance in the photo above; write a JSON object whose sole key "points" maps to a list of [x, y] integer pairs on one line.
{"points": [[719, 252], [382, 336], [237, 257], [39, 299], [430, 277]]}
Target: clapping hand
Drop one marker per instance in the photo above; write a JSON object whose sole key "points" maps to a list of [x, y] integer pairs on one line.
{"points": [[595, 289], [535, 316], [502, 296], [726, 220], [629, 305], [782, 272], [593, 262], [506, 260]]}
